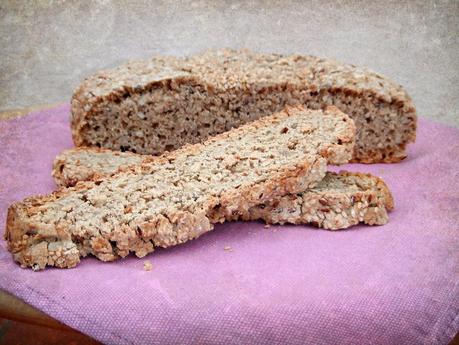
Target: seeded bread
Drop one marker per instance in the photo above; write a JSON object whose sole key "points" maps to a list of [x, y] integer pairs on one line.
{"points": [[337, 202], [179, 196], [163, 103]]}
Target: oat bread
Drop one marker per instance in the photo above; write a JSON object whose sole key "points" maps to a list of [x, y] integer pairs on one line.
{"points": [[86, 164], [179, 196], [337, 202], [163, 103]]}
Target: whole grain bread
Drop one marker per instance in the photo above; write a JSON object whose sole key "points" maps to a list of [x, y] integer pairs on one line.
{"points": [[337, 202], [89, 164], [179, 196], [160, 104]]}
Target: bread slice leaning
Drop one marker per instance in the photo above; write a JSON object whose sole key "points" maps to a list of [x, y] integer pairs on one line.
{"points": [[162, 103], [339, 201], [179, 196]]}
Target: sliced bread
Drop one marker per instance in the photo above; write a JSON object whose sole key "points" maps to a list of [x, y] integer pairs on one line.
{"points": [[86, 164], [337, 202], [160, 104], [180, 195]]}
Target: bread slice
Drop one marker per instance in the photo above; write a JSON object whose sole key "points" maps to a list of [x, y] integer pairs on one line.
{"points": [[160, 104], [180, 195], [88, 164], [337, 202]]}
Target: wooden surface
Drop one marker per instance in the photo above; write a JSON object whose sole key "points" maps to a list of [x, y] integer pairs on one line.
{"points": [[21, 323], [12, 308]]}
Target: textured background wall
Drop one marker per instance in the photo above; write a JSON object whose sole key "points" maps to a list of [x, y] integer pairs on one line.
{"points": [[47, 47]]}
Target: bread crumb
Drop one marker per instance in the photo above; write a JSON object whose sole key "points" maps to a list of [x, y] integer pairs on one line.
{"points": [[228, 249], [267, 226], [147, 266]]}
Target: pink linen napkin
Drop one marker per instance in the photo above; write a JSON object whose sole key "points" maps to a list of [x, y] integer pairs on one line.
{"points": [[393, 284]]}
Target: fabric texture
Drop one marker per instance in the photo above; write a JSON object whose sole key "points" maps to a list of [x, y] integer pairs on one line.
{"points": [[392, 284]]}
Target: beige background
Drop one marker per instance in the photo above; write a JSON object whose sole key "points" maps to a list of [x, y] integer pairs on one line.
{"points": [[47, 47]]}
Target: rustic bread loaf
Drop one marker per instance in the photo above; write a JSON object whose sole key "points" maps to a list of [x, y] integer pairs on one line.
{"points": [[180, 195], [337, 202], [163, 103]]}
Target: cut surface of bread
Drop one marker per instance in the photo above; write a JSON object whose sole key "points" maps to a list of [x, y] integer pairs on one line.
{"points": [[337, 202], [179, 196], [162, 103], [85, 164]]}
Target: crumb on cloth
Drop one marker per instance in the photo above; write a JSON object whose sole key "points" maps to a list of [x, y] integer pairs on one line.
{"points": [[147, 266]]}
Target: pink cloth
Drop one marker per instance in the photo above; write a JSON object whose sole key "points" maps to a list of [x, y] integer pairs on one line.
{"points": [[393, 284]]}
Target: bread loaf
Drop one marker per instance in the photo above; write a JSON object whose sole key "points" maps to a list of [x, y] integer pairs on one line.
{"points": [[162, 103], [337, 202], [179, 196]]}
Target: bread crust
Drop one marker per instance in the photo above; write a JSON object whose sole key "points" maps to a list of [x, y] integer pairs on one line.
{"points": [[223, 73], [97, 217]]}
